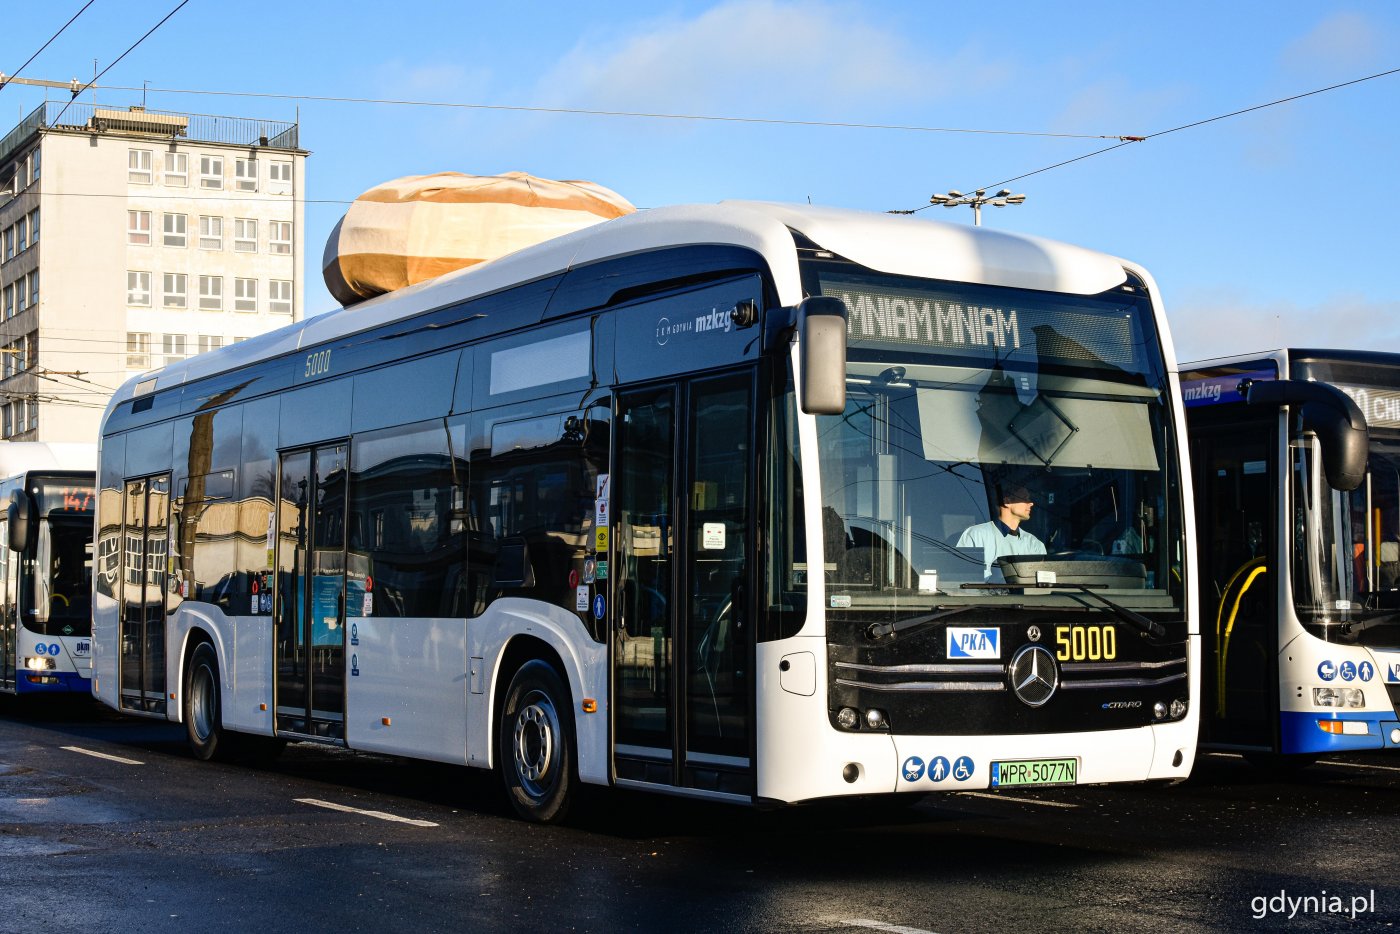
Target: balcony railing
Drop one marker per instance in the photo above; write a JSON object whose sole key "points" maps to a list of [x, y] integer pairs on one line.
{"points": [[207, 128]]}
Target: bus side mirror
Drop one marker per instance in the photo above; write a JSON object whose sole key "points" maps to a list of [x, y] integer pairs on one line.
{"points": [[1331, 414], [821, 343], [20, 516]]}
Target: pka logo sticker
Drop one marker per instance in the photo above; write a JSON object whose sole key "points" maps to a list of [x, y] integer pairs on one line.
{"points": [[974, 643]]}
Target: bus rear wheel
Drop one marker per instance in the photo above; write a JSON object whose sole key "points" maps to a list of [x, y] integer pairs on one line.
{"points": [[536, 744], [203, 719]]}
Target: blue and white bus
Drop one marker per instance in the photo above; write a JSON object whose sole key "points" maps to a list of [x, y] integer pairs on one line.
{"points": [[1296, 454], [46, 567], [674, 503]]}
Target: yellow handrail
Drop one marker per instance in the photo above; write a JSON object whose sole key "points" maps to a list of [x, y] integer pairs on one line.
{"points": [[1222, 641]]}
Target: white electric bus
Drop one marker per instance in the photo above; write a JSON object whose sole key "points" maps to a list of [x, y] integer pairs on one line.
{"points": [[46, 567], [674, 503], [1297, 462]]}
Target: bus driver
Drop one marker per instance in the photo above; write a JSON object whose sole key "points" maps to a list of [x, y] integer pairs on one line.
{"points": [[1003, 535]]}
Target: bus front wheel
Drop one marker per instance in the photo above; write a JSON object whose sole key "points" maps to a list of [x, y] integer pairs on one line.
{"points": [[536, 744], [203, 723]]}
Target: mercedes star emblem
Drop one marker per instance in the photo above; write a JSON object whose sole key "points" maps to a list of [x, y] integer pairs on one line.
{"points": [[1034, 675]]}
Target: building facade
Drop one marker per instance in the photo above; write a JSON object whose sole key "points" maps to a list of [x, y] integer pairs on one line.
{"points": [[130, 239]]}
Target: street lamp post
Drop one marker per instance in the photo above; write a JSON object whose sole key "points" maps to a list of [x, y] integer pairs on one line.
{"points": [[1001, 199]]}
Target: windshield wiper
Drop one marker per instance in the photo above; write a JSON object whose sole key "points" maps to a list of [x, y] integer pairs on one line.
{"points": [[1149, 627], [881, 630]]}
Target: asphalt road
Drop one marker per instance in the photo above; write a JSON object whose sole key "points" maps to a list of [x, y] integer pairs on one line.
{"points": [[108, 824]]}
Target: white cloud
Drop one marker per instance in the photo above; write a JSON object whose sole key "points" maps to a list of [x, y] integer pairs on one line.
{"points": [[1347, 40], [1220, 323], [766, 58]]}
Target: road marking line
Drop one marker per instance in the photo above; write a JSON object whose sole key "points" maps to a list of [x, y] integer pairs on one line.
{"points": [[103, 755], [381, 815], [1001, 797], [1359, 765], [1226, 755], [882, 926]]}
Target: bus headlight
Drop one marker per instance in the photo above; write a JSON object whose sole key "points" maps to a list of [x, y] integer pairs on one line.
{"points": [[1159, 710], [1338, 697], [1178, 709], [39, 664], [875, 719], [848, 718]]}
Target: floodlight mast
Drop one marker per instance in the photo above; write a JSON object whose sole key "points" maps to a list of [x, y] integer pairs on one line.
{"points": [[952, 198]]}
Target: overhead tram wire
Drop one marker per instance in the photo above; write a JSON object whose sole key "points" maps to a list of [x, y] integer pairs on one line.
{"points": [[1129, 140], [129, 50], [31, 58]]}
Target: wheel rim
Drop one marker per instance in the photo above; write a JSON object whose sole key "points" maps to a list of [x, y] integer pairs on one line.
{"points": [[202, 702], [535, 744]]}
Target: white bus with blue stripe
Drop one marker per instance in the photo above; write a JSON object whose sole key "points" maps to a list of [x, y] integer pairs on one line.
{"points": [[46, 567], [673, 503], [1297, 461]]}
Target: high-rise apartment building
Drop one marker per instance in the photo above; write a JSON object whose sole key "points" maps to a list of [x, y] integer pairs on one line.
{"points": [[130, 239]]}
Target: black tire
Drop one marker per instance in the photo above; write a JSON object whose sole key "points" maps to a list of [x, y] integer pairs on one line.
{"points": [[203, 718], [535, 744]]}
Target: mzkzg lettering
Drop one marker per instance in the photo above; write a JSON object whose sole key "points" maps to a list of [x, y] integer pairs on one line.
{"points": [[1291, 906], [931, 321], [716, 320]]}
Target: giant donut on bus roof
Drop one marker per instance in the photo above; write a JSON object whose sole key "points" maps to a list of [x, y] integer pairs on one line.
{"points": [[421, 226]]}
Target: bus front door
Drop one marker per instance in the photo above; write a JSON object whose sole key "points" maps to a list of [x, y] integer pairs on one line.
{"points": [[683, 535], [310, 613], [145, 550]]}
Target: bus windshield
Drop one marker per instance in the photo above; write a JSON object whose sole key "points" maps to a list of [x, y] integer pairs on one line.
{"points": [[63, 582], [1346, 547], [995, 440]]}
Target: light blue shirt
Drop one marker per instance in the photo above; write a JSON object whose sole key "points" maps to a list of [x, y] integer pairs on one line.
{"points": [[997, 540]]}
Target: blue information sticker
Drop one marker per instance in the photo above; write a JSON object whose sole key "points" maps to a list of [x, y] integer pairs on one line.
{"points": [[53, 648], [938, 769], [600, 607], [963, 768], [1348, 670], [1365, 671], [913, 769], [1326, 670]]}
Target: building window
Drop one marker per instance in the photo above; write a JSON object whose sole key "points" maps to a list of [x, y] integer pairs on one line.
{"points": [[138, 227], [22, 234], [245, 174], [245, 235], [208, 342], [176, 229], [31, 349], [8, 352], [138, 351], [177, 169], [174, 347], [9, 302], [211, 172], [138, 166], [245, 295], [279, 236], [279, 296], [211, 293], [211, 233], [280, 173], [34, 289], [138, 288], [34, 166], [7, 419], [9, 243], [174, 290], [21, 294], [34, 226]]}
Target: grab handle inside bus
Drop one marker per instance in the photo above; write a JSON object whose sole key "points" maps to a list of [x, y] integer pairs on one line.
{"points": [[1331, 414], [821, 343], [21, 518]]}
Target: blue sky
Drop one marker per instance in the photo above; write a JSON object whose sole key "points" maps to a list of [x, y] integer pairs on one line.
{"points": [[1269, 228]]}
